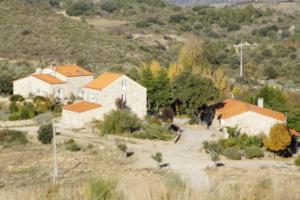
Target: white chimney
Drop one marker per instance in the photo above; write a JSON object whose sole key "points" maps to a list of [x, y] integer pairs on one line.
{"points": [[260, 102]]}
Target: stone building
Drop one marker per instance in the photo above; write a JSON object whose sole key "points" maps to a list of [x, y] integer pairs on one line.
{"points": [[248, 118], [103, 92]]}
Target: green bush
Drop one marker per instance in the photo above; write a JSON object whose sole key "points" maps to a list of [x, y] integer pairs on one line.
{"points": [[120, 121], [109, 6], [297, 161], [232, 153], [253, 152], [154, 132], [6, 84], [157, 157], [177, 18], [142, 24], [16, 97], [101, 189], [12, 137], [78, 8], [212, 146], [45, 133], [72, 145]]}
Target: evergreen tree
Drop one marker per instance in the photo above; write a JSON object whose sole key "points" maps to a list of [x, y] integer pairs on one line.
{"points": [[192, 91], [294, 119], [147, 79], [162, 91]]}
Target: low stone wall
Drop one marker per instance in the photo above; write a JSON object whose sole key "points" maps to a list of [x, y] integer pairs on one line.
{"points": [[8, 124]]}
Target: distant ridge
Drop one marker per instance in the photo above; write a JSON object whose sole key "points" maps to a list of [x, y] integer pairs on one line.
{"points": [[215, 2]]}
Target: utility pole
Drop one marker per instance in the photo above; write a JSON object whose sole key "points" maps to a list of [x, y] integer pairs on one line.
{"points": [[55, 171], [241, 59]]}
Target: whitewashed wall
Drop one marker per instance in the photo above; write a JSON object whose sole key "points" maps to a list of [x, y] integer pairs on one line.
{"points": [[75, 120], [22, 86], [136, 96], [251, 123]]}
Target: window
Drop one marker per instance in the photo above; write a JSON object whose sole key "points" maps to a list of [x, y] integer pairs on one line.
{"points": [[124, 84]]}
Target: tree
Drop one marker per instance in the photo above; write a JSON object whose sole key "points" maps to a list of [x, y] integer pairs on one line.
{"points": [[273, 98], [6, 84], [174, 70], [155, 67], [147, 80], [45, 133], [192, 91], [157, 157], [279, 138], [294, 119], [162, 91]]}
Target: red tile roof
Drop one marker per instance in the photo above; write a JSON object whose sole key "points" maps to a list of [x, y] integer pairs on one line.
{"points": [[81, 106], [103, 80], [233, 107], [48, 78], [72, 71]]}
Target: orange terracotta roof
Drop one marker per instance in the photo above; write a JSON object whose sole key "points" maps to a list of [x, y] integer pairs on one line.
{"points": [[72, 71], [233, 107], [81, 106], [103, 80], [48, 78]]}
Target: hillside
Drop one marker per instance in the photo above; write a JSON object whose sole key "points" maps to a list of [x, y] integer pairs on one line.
{"points": [[34, 32], [121, 34]]}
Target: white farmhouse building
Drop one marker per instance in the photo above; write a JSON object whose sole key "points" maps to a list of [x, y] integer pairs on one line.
{"points": [[61, 81], [103, 92], [248, 118]]}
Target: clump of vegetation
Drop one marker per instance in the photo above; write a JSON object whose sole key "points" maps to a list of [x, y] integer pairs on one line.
{"points": [[8, 137], [232, 153], [120, 122], [157, 157], [278, 139], [122, 147], [45, 133], [21, 109], [215, 157], [297, 161], [154, 132], [212, 147], [71, 145], [101, 189], [253, 152]]}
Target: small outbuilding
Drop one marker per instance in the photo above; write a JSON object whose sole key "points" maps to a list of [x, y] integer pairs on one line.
{"points": [[75, 115]]}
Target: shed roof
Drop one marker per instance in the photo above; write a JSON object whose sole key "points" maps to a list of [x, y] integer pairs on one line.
{"points": [[72, 71], [81, 106], [233, 107], [103, 80], [48, 78]]}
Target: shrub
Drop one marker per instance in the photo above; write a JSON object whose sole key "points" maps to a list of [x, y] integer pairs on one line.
{"points": [[6, 84], [12, 137], [297, 161], [109, 6], [16, 97], [142, 24], [154, 132], [232, 153], [122, 147], [279, 138], [45, 133], [101, 189], [177, 18], [78, 8], [120, 121], [167, 115], [232, 131], [157, 157], [72, 145], [253, 152], [212, 146]]}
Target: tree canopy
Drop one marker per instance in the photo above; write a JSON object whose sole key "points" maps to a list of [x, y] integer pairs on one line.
{"points": [[192, 91], [279, 138]]}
